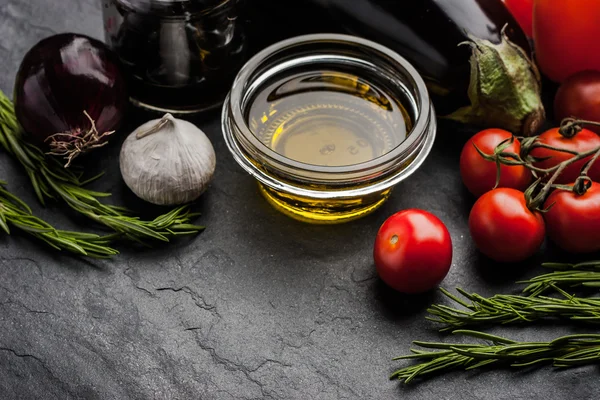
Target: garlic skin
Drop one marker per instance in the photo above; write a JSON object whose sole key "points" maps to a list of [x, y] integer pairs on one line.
{"points": [[167, 161]]}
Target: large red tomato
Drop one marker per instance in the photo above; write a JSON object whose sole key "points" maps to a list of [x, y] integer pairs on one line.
{"points": [[585, 140], [566, 36], [503, 228], [479, 174], [522, 10], [579, 97], [413, 251], [573, 221]]}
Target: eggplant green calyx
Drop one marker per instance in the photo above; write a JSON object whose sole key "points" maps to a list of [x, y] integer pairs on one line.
{"points": [[505, 88]]}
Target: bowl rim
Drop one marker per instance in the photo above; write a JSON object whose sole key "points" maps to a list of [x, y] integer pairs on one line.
{"points": [[243, 79]]}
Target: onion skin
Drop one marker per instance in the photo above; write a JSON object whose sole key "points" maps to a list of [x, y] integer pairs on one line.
{"points": [[62, 78]]}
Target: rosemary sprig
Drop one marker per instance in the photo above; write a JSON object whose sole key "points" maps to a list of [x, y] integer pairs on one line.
{"points": [[509, 309], [565, 352], [51, 180], [586, 274], [16, 213]]}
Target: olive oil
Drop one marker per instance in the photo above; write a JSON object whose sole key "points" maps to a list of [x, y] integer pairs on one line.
{"points": [[327, 118]]}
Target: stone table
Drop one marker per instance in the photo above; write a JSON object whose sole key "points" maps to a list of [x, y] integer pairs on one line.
{"points": [[258, 306]]}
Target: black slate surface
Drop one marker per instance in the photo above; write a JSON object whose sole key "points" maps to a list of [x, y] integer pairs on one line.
{"points": [[257, 307]]}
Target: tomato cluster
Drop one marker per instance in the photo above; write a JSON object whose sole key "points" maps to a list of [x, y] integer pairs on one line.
{"points": [[508, 228]]}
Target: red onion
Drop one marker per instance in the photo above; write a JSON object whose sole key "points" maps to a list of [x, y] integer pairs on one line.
{"points": [[70, 94]]}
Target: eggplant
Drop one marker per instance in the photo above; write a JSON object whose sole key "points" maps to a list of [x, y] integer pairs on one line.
{"points": [[472, 54]]}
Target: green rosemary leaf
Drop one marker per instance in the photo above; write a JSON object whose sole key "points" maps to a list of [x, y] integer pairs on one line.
{"points": [[97, 249], [18, 152], [76, 192], [422, 355], [67, 244], [49, 243], [36, 186], [593, 265], [543, 360], [584, 337], [435, 366], [484, 336], [179, 228], [480, 364], [456, 299], [524, 348], [432, 345], [93, 179], [29, 228], [15, 200], [3, 224], [81, 235], [58, 176], [479, 355], [557, 265], [580, 354]]}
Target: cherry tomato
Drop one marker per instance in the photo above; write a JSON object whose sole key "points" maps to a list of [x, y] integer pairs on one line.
{"points": [[522, 10], [503, 228], [585, 140], [413, 251], [573, 221], [566, 36], [579, 97], [479, 174]]}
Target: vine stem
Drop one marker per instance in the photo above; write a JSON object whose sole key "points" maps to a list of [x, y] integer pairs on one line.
{"points": [[539, 199], [557, 170], [569, 128], [583, 182], [506, 158]]}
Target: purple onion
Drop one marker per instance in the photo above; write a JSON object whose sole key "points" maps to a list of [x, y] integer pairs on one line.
{"points": [[70, 94]]}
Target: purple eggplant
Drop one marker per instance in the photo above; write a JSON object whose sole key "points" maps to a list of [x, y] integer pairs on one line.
{"points": [[472, 53]]}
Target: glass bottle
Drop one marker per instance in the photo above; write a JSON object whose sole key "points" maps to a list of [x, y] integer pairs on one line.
{"points": [[181, 56]]}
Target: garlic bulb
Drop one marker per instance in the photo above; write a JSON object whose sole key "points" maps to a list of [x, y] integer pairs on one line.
{"points": [[167, 161]]}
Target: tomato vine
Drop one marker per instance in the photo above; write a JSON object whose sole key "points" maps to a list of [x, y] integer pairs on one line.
{"points": [[546, 178]]}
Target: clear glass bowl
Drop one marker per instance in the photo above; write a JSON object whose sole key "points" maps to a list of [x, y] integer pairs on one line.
{"points": [[329, 194]]}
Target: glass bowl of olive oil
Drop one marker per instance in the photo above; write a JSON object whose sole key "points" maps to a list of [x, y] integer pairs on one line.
{"points": [[328, 124]]}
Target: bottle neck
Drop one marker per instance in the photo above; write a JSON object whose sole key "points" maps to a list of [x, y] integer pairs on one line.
{"points": [[176, 8]]}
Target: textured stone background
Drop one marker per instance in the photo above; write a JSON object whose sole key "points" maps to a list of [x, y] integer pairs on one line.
{"points": [[257, 307]]}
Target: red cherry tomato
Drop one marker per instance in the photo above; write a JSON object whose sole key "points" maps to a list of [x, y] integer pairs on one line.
{"points": [[479, 174], [413, 251], [503, 228], [566, 36], [522, 10], [579, 97], [585, 140], [573, 221]]}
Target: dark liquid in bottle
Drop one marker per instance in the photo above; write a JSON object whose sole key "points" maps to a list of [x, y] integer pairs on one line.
{"points": [[178, 63]]}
